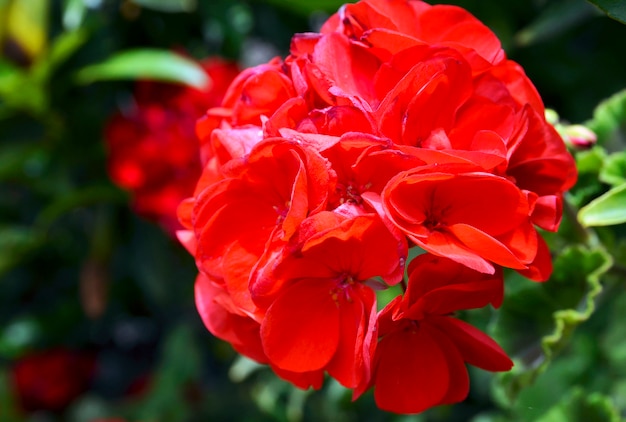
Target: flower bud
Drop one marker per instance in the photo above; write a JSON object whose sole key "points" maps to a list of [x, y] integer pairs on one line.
{"points": [[579, 137]]}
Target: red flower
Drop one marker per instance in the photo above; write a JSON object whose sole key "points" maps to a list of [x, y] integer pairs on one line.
{"points": [[52, 379], [153, 150], [459, 216], [263, 196], [320, 295], [399, 124], [419, 359]]}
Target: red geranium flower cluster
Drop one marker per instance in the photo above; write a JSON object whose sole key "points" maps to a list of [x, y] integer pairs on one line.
{"points": [[400, 125], [153, 148]]}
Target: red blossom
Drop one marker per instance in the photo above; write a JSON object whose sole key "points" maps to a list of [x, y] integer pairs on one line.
{"points": [[153, 149], [321, 296], [51, 379], [400, 124], [419, 360]]}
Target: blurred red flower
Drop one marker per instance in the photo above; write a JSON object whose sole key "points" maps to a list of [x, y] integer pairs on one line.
{"points": [[51, 379], [153, 149]]}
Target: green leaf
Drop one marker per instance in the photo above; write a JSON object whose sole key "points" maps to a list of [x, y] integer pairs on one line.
{"points": [[168, 5], [64, 46], [180, 365], [15, 242], [20, 91], [565, 301], [614, 8], [306, 7], [582, 407], [554, 20], [614, 170], [609, 119], [605, 210], [93, 194], [74, 12], [162, 65], [8, 407], [613, 341]]}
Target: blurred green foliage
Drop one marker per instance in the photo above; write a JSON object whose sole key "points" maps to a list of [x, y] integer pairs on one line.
{"points": [[66, 233]]}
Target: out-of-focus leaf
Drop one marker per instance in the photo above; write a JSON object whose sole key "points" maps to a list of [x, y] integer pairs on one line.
{"points": [[609, 119], [306, 7], [15, 242], [19, 91], [606, 210], [27, 25], [614, 170], [90, 408], [168, 5], [613, 341], [242, 368], [60, 50], [180, 364], [590, 161], [73, 14], [90, 195], [17, 336], [64, 46], [614, 8], [566, 301], [556, 381], [162, 65], [8, 407], [555, 19], [582, 407], [19, 160], [589, 164]]}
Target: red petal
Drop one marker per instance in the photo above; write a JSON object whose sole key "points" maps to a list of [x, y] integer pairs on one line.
{"points": [[303, 380], [300, 331], [541, 268], [214, 307], [485, 245], [447, 246], [344, 366], [476, 347], [412, 372], [459, 379]]}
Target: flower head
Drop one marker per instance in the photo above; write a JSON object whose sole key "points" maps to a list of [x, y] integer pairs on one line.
{"points": [[399, 125]]}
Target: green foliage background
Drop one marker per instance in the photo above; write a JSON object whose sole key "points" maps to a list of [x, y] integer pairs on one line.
{"points": [[66, 231]]}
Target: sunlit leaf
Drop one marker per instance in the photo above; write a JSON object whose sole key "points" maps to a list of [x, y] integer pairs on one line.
{"points": [[65, 45], [73, 13], [27, 25], [20, 91], [606, 210], [162, 65], [614, 8]]}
